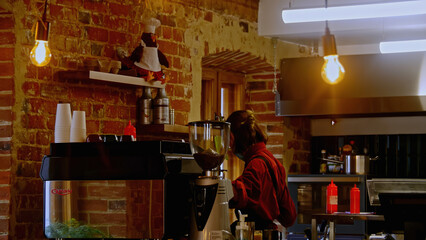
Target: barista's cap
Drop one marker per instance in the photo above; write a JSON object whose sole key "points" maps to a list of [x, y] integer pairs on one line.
{"points": [[151, 24]]}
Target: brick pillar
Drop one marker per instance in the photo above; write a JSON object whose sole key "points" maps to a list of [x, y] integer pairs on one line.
{"points": [[289, 137], [7, 54]]}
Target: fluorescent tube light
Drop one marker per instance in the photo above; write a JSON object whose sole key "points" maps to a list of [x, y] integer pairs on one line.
{"points": [[393, 9], [403, 46]]}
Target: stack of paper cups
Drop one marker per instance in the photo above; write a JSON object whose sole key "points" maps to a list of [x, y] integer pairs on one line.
{"points": [[78, 127], [63, 123]]}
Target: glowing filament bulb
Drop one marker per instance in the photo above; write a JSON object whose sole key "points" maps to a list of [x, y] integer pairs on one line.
{"points": [[332, 72], [40, 54]]}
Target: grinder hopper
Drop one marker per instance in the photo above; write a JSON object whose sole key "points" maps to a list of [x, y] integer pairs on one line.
{"points": [[209, 141]]}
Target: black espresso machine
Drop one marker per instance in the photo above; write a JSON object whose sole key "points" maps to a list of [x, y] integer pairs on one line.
{"points": [[138, 190]]}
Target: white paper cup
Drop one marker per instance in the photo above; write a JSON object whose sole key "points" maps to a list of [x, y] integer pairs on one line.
{"points": [[62, 123], [78, 135], [63, 115], [62, 134], [78, 127], [78, 119]]}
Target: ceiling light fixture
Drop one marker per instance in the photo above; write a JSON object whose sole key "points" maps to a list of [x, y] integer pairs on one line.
{"points": [[392, 9], [403, 46], [332, 71], [40, 55]]}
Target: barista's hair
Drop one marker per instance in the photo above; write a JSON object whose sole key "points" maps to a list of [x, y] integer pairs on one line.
{"points": [[245, 130]]}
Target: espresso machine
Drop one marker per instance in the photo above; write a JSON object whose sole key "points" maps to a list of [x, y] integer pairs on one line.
{"points": [[209, 142]]}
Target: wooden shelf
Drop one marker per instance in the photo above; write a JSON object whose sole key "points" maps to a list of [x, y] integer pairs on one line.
{"points": [[162, 132], [109, 77]]}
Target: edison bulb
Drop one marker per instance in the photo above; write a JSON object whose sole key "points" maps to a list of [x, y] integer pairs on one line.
{"points": [[332, 72], [40, 54]]}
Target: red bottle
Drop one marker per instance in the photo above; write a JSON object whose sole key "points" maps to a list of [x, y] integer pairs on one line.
{"points": [[130, 130], [331, 198], [355, 199]]}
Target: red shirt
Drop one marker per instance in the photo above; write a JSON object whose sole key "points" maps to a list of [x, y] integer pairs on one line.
{"points": [[254, 191]]}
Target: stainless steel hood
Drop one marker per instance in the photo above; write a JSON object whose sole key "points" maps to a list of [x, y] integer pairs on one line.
{"points": [[374, 84]]}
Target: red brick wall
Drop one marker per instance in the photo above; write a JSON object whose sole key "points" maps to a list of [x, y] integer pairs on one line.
{"points": [[7, 70], [289, 137]]}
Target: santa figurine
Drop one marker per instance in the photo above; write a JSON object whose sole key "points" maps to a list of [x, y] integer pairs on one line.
{"points": [[146, 59]]}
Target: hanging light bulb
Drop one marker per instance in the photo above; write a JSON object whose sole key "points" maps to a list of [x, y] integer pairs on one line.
{"points": [[40, 55], [332, 71]]}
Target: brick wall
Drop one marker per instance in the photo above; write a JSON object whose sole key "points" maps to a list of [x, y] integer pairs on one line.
{"points": [[7, 70], [85, 29], [289, 137]]}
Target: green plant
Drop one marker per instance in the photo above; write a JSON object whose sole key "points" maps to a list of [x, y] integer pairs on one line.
{"points": [[73, 229]]}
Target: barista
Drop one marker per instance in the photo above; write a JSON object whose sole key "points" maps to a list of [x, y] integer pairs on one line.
{"points": [[261, 191]]}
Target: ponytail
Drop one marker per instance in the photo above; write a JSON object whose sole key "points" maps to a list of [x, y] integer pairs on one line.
{"points": [[245, 129]]}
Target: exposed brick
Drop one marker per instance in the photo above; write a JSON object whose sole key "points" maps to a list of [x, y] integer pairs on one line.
{"points": [[123, 113], [117, 37], [31, 88], [275, 139], [7, 54], [111, 111], [119, 9], [95, 5], [113, 127], [5, 115], [4, 193], [5, 131], [84, 17], [276, 128], [208, 16], [169, 20], [262, 96], [257, 107], [180, 105], [167, 32], [7, 68], [6, 22], [97, 34], [268, 118], [256, 86], [29, 153], [72, 3], [179, 91], [6, 100], [4, 209], [92, 127], [168, 47], [6, 84], [5, 162]]}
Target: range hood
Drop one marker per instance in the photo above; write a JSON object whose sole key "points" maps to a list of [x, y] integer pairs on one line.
{"points": [[374, 84]]}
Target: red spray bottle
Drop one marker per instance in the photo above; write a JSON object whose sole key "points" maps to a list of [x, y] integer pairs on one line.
{"points": [[331, 198]]}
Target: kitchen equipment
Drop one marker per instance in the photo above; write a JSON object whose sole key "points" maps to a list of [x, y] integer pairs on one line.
{"points": [[145, 110], [309, 195], [402, 201], [209, 141], [128, 190], [160, 105]]}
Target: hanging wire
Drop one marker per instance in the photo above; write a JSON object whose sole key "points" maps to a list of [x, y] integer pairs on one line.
{"points": [[275, 88]]}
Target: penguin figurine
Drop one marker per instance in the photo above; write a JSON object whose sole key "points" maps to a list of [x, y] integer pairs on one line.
{"points": [[147, 59]]}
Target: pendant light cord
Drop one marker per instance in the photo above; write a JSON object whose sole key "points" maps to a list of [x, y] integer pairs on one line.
{"points": [[45, 9]]}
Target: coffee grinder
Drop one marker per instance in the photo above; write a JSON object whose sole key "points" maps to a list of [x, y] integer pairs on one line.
{"points": [[209, 142]]}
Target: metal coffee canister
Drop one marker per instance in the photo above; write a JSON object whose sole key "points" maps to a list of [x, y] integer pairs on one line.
{"points": [[161, 107], [145, 107]]}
